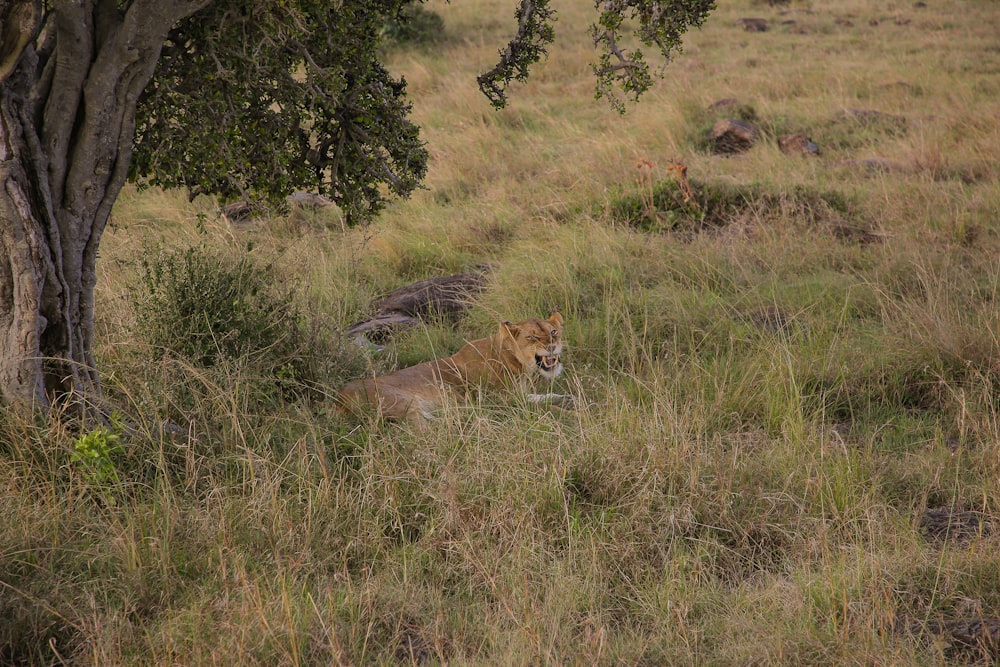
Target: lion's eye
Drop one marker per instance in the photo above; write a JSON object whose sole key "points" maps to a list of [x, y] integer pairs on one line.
{"points": [[554, 334]]}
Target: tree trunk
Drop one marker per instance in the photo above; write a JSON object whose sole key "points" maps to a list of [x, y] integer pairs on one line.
{"points": [[67, 119], [46, 331], [22, 275]]}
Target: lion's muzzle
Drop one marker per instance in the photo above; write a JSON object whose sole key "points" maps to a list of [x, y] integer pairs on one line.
{"points": [[548, 364]]}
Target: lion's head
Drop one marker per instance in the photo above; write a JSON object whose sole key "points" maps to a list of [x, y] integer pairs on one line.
{"points": [[536, 343]]}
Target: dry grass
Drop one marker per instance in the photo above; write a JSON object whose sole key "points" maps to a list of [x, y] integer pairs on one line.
{"points": [[789, 443]]}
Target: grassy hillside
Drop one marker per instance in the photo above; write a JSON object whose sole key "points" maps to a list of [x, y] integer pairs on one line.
{"points": [[789, 442]]}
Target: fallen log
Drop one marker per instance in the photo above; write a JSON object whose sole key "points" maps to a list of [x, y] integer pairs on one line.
{"points": [[446, 297]]}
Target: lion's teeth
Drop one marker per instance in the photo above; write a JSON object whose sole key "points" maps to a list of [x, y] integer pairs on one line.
{"points": [[548, 361]]}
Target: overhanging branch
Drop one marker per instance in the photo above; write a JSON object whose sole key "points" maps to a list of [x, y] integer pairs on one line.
{"points": [[534, 33]]}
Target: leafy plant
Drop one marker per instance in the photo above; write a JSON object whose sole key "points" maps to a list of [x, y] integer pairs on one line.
{"points": [[414, 25], [95, 452], [215, 308]]}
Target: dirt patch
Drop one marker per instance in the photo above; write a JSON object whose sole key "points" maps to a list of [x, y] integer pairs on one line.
{"points": [[973, 640], [940, 524]]}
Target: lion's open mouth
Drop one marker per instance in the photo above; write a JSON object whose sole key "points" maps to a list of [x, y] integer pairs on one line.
{"points": [[547, 362]]}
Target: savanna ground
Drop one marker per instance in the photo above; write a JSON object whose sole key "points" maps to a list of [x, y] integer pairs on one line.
{"points": [[789, 445]]}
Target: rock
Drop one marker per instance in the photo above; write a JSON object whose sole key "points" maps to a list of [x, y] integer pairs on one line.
{"points": [[754, 24], [445, 296], [797, 144], [237, 212], [309, 200], [733, 136]]}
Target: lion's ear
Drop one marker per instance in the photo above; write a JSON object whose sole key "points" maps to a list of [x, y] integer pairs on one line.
{"points": [[508, 328], [556, 319]]}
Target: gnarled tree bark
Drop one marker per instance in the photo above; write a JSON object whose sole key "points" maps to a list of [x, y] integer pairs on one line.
{"points": [[70, 80]]}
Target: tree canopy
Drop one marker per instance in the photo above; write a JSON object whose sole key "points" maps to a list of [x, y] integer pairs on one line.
{"points": [[259, 98], [253, 99]]}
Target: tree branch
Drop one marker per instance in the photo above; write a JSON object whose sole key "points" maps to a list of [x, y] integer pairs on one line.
{"points": [[74, 45], [19, 21], [534, 33], [657, 23]]}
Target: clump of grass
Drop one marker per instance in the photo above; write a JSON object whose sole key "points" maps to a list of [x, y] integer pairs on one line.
{"points": [[669, 205], [860, 128]]}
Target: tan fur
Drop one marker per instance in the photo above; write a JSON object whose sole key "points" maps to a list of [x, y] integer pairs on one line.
{"points": [[505, 359]]}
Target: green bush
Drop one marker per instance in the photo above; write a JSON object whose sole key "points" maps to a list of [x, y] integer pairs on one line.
{"points": [[661, 205], [415, 25], [214, 308]]}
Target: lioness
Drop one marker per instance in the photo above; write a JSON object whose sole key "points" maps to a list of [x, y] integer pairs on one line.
{"points": [[507, 358]]}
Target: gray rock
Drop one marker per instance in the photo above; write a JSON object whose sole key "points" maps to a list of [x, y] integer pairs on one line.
{"points": [[310, 200], [797, 144], [754, 24], [730, 135]]}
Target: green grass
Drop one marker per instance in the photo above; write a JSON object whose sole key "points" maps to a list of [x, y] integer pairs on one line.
{"points": [[776, 382]]}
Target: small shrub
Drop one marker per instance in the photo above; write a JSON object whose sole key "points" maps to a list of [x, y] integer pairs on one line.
{"points": [[414, 25], [666, 205], [96, 453], [212, 308], [95, 450]]}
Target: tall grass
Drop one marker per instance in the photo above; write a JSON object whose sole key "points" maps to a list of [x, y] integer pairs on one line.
{"points": [[788, 436]]}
